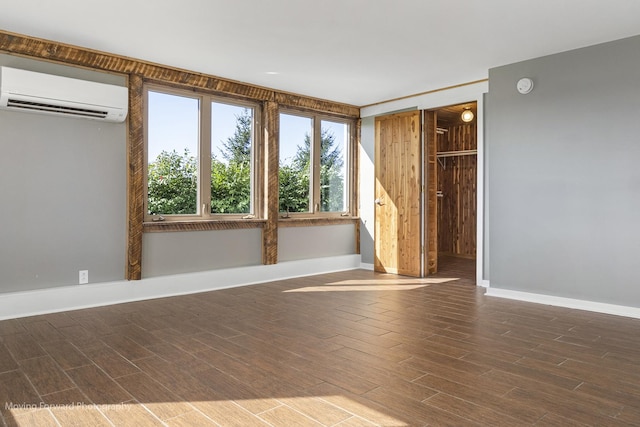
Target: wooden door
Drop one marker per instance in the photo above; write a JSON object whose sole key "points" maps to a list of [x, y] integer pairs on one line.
{"points": [[398, 160]]}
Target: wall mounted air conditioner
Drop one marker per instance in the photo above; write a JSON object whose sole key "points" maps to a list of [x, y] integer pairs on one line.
{"points": [[28, 91]]}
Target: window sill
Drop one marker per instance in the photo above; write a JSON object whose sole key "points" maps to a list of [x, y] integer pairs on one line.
{"points": [[217, 224], [293, 221]]}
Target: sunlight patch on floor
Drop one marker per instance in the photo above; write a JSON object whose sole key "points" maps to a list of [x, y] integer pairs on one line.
{"points": [[360, 288], [374, 285], [395, 281], [279, 411]]}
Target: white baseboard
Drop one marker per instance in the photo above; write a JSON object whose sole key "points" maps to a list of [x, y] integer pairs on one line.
{"points": [[598, 307], [484, 283], [366, 266], [53, 300]]}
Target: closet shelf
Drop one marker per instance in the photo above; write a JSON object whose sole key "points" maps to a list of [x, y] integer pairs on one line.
{"points": [[456, 153]]}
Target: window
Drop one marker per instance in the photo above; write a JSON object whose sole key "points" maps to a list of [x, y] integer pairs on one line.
{"points": [[231, 159], [314, 164], [200, 156]]}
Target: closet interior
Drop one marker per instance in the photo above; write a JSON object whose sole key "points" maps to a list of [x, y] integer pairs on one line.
{"points": [[457, 180]]}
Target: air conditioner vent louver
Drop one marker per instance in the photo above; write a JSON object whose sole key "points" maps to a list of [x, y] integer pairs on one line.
{"points": [[28, 91], [26, 105]]}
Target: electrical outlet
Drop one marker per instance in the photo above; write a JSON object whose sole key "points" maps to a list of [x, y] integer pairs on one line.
{"points": [[83, 277]]}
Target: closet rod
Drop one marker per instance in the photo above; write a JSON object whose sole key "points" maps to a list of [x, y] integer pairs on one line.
{"points": [[456, 153]]}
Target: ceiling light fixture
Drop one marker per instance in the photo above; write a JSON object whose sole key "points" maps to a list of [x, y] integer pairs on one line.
{"points": [[467, 115]]}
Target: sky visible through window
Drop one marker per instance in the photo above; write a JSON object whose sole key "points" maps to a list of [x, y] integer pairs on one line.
{"points": [[174, 125]]}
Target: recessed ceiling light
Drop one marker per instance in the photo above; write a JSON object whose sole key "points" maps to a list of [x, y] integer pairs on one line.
{"points": [[467, 116]]}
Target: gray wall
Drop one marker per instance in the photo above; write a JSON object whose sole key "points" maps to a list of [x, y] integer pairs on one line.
{"points": [[185, 252], [564, 175], [63, 193], [295, 243], [486, 257]]}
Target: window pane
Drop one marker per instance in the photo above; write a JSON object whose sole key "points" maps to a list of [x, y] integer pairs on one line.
{"points": [[295, 147], [231, 140], [333, 162], [173, 132]]}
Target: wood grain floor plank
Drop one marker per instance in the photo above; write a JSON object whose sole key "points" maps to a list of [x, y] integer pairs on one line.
{"points": [[95, 324], [366, 409], [173, 354], [417, 412], [110, 361], [193, 418], [228, 413], [398, 370], [137, 334], [286, 416], [154, 396], [127, 348], [42, 331], [570, 397], [132, 414], [58, 320], [356, 422], [7, 362], [382, 346], [523, 411], [229, 388], [42, 418], [234, 367], [39, 418], [79, 336], [554, 420], [629, 414], [281, 373], [464, 345], [17, 395], [11, 326], [427, 362], [465, 409], [45, 375], [524, 371], [609, 392], [65, 354], [317, 409], [179, 381], [23, 346], [70, 408], [98, 386], [184, 342], [582, 413]]}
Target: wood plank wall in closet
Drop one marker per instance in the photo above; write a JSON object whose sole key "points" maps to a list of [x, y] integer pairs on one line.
{"points": [[457, 182]]}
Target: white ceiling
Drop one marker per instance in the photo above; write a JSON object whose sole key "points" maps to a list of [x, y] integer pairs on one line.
{"points": [[354, 51]]}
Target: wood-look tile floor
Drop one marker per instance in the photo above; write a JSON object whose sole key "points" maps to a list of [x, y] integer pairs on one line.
{"points": [[344, 349]]}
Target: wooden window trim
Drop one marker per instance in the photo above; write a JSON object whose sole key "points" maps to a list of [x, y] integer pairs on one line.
{"points": [[314, 222], [204, 225]]}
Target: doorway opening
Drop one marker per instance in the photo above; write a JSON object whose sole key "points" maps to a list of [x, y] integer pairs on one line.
{"points": [[456, 173]]}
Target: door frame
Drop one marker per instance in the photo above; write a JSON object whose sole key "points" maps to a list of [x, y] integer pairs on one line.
{"points": [[472, 91]]}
